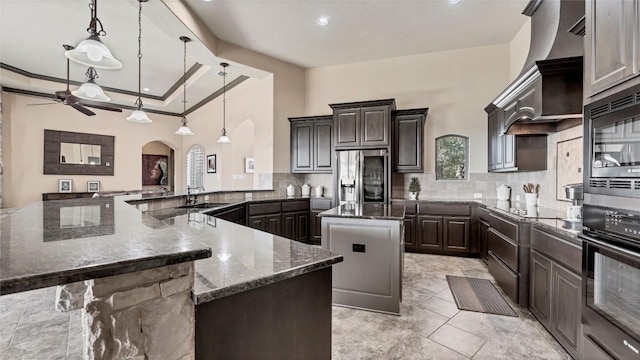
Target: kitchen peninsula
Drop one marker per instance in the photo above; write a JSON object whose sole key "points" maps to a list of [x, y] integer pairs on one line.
{"points": [[144, 274], [368, 236]]}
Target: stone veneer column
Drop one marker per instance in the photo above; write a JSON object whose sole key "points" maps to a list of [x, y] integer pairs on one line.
{"points": [[147, 314]]}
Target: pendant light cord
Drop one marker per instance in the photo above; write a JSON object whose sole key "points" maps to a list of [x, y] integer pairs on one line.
{"points": [[184, 84], [138, 102], [224, 101]]}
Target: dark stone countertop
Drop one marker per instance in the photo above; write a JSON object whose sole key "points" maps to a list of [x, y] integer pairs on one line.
{"points": [[367, 211], [244, 258], [57, 242]]}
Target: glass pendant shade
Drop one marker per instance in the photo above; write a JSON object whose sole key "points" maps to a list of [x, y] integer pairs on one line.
{"points": [[91, 91], [93, 52], [184, 130], [139, 116], [224, 139]]}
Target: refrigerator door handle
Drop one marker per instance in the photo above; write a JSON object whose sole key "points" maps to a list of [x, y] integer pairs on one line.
{"points": [[359, 174]]}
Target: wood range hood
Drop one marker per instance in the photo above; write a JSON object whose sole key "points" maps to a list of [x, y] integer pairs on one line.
{"points": [[547, 95]]}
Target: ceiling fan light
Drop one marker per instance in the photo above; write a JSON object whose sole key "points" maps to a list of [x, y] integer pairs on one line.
{"points": [[184, 130], [139, 116], [91, 91], [93, 52]]}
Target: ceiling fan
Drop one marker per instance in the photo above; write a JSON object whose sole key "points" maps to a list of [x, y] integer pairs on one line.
{"points": [[67, 98]]}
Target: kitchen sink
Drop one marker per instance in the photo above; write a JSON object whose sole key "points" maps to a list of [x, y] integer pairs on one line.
{"points": [[206, 205]]}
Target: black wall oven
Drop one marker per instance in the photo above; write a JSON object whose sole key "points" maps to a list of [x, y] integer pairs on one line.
{"points": [[611, 280], [612, 142]]}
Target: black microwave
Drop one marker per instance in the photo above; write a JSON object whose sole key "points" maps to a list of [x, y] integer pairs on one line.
{"points": [[612, 144]]}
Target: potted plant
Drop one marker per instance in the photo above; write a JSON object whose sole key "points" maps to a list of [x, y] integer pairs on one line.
{"points": [[414, 188]]}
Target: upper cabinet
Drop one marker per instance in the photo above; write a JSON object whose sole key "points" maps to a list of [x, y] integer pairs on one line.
{"points": [[365, 124], [311, 144], [612, 46], [408, 140]]}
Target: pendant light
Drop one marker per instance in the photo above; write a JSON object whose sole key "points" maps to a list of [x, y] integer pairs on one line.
{"points": [[184, 129], [90, 90], [92, 52], [139, 115], [224, 139]]}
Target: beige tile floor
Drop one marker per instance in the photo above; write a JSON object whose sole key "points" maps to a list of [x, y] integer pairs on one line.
{"points": [[430, 327]]}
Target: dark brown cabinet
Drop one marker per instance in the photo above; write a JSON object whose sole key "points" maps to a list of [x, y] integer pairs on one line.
{"points": [[311, 144], [508, 153], [612, 34], [555, 287], [318, 205], [295, 226], [362, 124], [408, 140], [483, 230], [437, 228]]}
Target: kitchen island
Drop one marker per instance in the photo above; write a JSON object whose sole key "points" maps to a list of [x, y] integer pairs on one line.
{"points": [[128, 266], [369, 237]]}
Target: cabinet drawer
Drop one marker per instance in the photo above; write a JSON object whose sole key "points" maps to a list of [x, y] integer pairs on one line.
{"points": [[444, 209], [566, 253], [508, 228], [321, 204], [295, 205], [507, 279], [409, 209], [503, 248], [264, 208], [483, 214]]}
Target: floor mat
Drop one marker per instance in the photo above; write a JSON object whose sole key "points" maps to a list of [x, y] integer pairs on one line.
{"points": [[478, 295]]}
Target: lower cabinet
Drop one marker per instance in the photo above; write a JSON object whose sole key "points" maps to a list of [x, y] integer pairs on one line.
{"points": [[270, 223], [295, 226], [556, 288], [318, 205], [437, 228], [483, 229]]}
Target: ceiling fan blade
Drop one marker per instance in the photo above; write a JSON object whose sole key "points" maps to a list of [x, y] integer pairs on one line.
{"points": [[101, 107], [82, 109]]}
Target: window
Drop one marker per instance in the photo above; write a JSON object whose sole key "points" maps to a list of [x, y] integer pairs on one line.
{"points": [[195, 166], [452, 162]]}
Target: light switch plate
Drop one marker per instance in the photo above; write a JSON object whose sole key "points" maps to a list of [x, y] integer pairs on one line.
{"points": [[143, 207], [477, 195]]}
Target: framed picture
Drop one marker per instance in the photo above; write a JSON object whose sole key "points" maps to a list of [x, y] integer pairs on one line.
{"points": [[93, 186], [211, 164], [155, 169], [248, 165], [65, 185]]}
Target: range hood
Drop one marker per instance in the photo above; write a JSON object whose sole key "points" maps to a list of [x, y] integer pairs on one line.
{"points": [[547, 95]]}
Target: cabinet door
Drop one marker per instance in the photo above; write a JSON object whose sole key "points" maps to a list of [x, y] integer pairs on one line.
{"points": [[302, 226], [456, 234], [540, 287], [611, 43], [375, 125], [409, 232], [257, 222], [566, 300], [273, 224], [408, 140], [491, 140], [632, 128], [322, 146], [483, 229], [316, 228], [289, 226], [429, 232], [509, 151], [302, 147], [347, 127], [498, 150]]}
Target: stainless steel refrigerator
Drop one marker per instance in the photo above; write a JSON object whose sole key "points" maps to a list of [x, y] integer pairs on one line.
{"points": [[362, 176]]}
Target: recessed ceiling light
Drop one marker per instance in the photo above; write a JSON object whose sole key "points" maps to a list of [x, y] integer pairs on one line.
{"points": [[453, 2], [146, 89], [322, 21]]}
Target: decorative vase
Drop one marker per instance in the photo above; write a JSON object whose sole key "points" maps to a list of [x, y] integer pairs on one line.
{"points": [[306, 190], [319, 191], [291, 190], [413, 196], [530, 199]]}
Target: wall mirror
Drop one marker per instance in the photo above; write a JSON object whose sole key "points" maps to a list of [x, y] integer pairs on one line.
{"points": [[79, 153], [71, 153], [452, 157]]}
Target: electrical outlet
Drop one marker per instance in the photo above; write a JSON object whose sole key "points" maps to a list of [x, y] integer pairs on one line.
{"points": [[206, 198], [358, 248], [248, 196], [143, 207], [477, 195], [517, 197]]}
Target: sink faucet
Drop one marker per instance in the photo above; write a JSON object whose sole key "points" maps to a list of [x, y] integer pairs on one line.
{"points": [[191, 200]]}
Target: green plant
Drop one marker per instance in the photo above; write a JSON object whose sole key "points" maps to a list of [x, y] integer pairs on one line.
{"points": [[414, 185]]}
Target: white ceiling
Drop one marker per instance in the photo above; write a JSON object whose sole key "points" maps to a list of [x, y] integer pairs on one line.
{"points": [[32, 33]]}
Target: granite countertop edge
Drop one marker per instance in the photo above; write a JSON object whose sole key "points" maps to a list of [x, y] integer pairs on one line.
{"points": [[221, 292], [35, 281]]}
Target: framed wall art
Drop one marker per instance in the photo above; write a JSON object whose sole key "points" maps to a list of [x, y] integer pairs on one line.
{"points": [[248, 165], [65, 185], [155, 169], [93, 186], [211, 164]]}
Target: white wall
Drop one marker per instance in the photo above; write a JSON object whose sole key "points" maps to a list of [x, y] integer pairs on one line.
{"points": [[455, 85], [519, 49]]}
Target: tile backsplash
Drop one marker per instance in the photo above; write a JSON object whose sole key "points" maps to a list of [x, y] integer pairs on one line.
{"points": [[567, 170]]}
